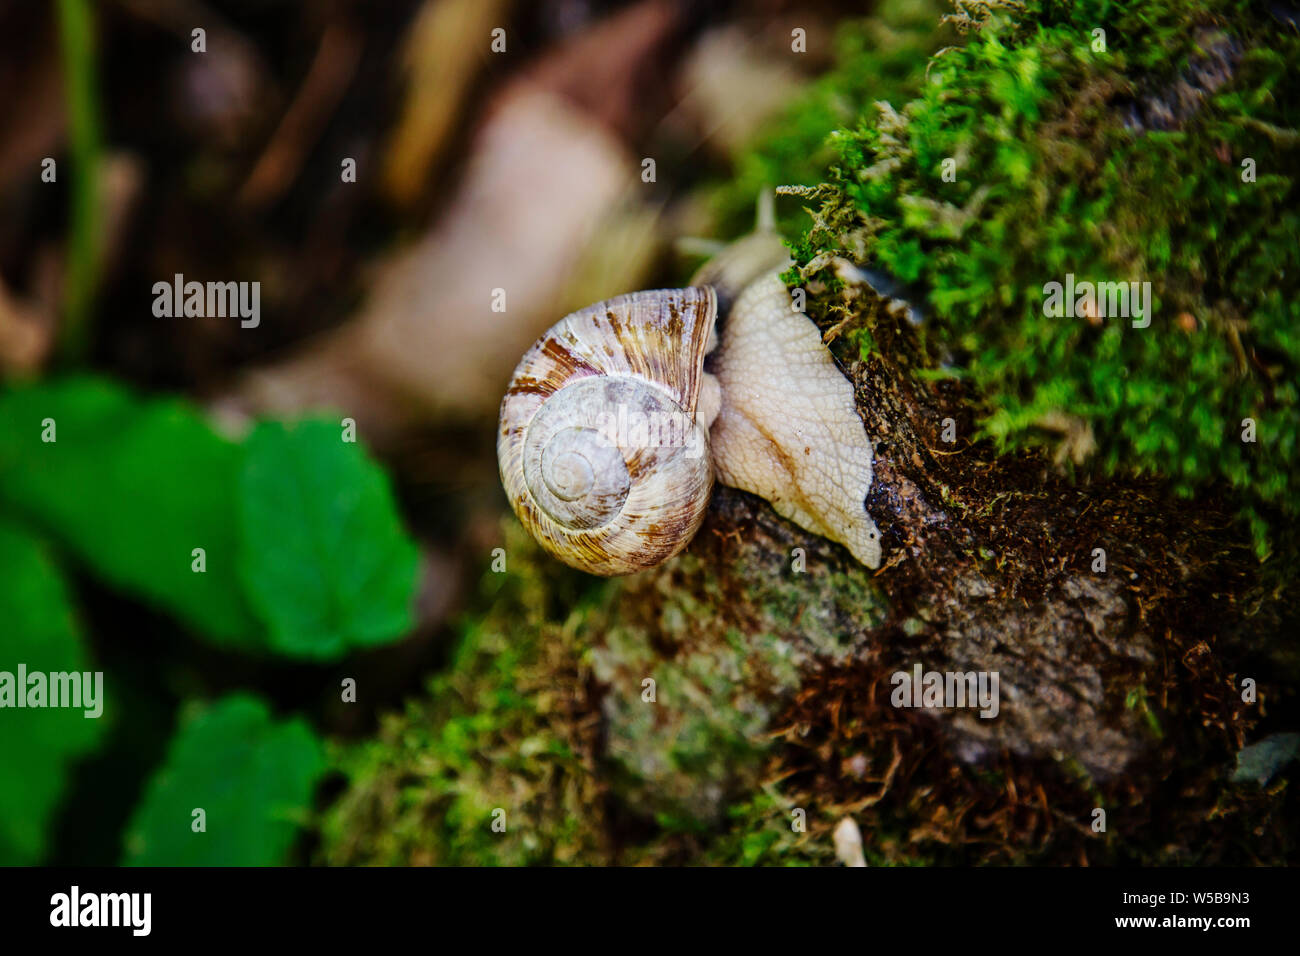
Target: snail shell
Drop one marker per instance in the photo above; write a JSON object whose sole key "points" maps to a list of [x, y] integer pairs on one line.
{"points": [[600, 450]]}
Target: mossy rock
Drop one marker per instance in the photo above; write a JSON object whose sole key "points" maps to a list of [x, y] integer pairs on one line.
{"points": [[770, 670], [1152, 142], [547, 713]]}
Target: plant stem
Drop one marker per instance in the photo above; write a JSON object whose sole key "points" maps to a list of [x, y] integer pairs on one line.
{"points": [[76, 31]]}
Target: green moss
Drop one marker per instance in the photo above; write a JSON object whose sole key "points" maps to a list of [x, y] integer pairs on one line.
{"points": [[1115, 165], [544, 713], [679, 755], [762, 831], [501, 729], [722, 665]]}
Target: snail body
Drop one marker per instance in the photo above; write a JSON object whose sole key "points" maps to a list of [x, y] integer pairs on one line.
{"points": [[612, 431], [788, 429]]}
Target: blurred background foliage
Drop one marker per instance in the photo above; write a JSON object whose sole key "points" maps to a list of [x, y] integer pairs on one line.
{"points": [[327, 560]]}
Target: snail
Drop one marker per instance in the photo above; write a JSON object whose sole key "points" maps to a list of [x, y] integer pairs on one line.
{"points": [[620, 417]]}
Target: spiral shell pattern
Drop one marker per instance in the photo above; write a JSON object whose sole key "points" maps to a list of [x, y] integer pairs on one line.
{"points": [[599, 449]]}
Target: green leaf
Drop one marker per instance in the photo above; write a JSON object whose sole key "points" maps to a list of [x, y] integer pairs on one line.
{"points": [[299, 530], [325, 560], [252, 777], [132, 487], [37, 746]]}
